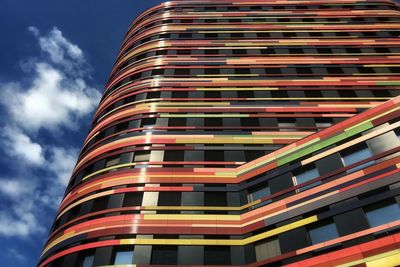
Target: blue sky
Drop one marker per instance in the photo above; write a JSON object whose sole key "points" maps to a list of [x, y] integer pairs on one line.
{"points": [[55, 57]]}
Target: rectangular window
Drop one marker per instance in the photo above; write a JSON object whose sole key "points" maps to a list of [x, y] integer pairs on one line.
{"points": [[212, 122], [112, 161], [293, 239], [100, 203], [382, 213], [169, 199], [191, 155], [177, 122], [217, 255], [211, 71], [305, 176], [253, 154], [351, 222], [215, 199], [356, 154], [174, 155], [88, 261], [322, 233], [214, 155], [286, 124], [133, 199], [259, 193], [164, 255], [142, 156], [123, 257], [182, 71]]}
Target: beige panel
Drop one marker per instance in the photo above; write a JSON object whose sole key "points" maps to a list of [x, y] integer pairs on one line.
{"points": [[267, 249]]}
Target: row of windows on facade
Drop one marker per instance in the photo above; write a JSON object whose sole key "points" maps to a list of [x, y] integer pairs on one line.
{"points": [[265, 51], [283, 181], [270, 72], [225, 154], [321, 167], [235, 125], [259, 35], [371, 5], [209, 125], [264, 7], [305, 92], [164, 198], [343, 224], [149, 155], [333, 162], [356, 20], [262, 73]]}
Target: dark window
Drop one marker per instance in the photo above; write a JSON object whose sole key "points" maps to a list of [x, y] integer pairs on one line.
{"points": [[115, 201], [281, 182], [112, 161], [122, 126], [179, 94], [351, 222], [212, 122], [253, 154], [169, 198], [177, 122], [148, 121], [166, 255], [214, 155], [100, 204], [217, 255], [133, 199], [174, 155], [211, 71], [216, 199], [293, 239], [183, 52], [242, 71], [157, 72], [212, 94], [182, 71], [88, 261]]}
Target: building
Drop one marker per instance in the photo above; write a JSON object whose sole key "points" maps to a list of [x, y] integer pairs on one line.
{"points": [[257, 133]]}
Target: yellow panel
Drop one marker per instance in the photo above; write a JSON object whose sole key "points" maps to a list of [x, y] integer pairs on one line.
{"points": [[386, 260]]}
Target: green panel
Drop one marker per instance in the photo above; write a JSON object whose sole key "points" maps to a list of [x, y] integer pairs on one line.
{"points": [[359, 128]]}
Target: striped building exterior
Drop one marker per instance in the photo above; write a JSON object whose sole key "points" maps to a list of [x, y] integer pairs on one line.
{"points": [[238, 132]]}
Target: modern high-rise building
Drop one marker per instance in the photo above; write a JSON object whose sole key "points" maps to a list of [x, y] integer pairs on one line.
{"points": [[243, 132]]}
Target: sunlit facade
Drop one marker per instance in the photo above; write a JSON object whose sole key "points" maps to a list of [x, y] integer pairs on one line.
{"points": [[256, 133]]}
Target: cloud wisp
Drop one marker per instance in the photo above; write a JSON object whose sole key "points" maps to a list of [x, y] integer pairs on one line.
{"points": [[53, 100]]}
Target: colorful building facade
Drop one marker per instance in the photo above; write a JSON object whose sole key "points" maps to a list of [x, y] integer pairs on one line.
{"points": [[252, 133]]}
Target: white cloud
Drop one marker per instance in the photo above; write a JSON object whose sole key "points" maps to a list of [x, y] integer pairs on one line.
{"points": [[57, 47], [52, 98], [20, 145], [12, 188], [61, 163], [19, 220]]}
